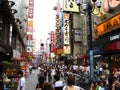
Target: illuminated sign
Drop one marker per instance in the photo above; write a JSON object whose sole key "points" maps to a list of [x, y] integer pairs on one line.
{"points": [[70, 5], [115, 37], [66, 29], [109, 25]]}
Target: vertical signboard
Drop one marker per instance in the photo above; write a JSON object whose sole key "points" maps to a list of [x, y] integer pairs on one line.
{"points": [[51, 36], [30, 29], [52, 42], [57, 33], [66, 29]]}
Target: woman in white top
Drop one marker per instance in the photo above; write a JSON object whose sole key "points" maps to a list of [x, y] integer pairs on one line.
{"points": [[53, 72]]}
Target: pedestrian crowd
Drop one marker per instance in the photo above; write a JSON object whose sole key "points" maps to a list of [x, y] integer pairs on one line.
{"points": [[73, 77], [111, 83], [58, 78], [77, 78]]}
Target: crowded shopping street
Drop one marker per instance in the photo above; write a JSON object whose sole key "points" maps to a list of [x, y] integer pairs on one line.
{"points": [[51, 73], [59, 44]]}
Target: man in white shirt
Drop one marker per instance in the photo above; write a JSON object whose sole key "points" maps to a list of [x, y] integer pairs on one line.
{"points": [[21, 81]]}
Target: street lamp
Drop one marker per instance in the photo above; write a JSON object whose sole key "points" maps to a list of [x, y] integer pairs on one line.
{"points": [[87, 7]]}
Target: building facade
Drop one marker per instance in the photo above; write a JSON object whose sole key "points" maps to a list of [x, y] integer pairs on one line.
{"points": [[13, 23], [106, 43]]}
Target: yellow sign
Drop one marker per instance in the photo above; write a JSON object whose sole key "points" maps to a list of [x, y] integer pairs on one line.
{"points": [[70, 6], [109, 25], [59, 51], [30, 23], [67, 49]]}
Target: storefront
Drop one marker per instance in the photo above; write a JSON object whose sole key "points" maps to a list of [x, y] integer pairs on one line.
{"points": [[9, 35], [108, 44]]}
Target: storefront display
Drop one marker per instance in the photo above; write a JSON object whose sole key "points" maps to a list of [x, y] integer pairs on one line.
{"points": [[9, 72]]}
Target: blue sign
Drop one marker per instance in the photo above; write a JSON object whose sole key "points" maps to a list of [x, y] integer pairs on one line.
{"points": [[97, 50]]}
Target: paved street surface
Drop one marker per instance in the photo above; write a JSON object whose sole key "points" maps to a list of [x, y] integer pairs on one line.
{"points": [[31, 80]]}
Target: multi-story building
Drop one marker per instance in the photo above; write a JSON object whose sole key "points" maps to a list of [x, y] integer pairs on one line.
{"points": [[13, 22], [71, 33], [107, 37]]}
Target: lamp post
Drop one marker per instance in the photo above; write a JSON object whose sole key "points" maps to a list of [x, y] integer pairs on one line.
{"points": [[87, 7]]}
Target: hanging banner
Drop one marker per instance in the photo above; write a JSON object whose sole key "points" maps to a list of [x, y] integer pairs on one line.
{"points": [[66, 29], [70, 6]]}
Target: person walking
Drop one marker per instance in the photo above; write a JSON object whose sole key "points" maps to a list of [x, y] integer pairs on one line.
{"points": [[70, 84], [53, 72], [58, 84], [41, 80], [21, 81], [48, 86], [113, 83]]}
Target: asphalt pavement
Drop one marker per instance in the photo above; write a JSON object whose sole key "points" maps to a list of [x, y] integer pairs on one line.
{"points": [[31, 80]]}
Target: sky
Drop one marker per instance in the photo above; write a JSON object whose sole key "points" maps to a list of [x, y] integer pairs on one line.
{"points": [[44, 19]]}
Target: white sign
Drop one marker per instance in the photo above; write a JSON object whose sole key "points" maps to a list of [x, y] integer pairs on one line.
{"points": [[66, 30]]}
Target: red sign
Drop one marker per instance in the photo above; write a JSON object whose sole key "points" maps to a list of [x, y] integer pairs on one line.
{"points": [[30, 12], [28, 53], [112, 47], [58, 51], [31, 3], [52, 36], [31, 9], [29, 37], [51, 48], [118, 45]]}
